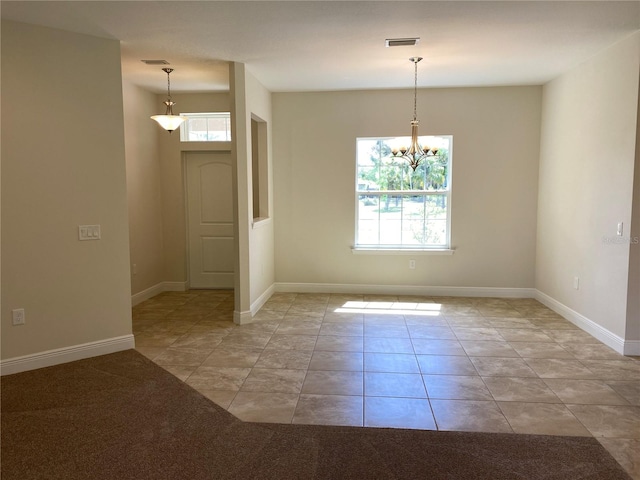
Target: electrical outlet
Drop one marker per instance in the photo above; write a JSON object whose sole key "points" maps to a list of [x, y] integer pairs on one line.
{"points": [[134, 269], [412, 264], [620, 229], [576, 283], [17, 316]]}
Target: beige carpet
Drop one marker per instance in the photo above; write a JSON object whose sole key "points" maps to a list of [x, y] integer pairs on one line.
{"points": [[120, 416]]}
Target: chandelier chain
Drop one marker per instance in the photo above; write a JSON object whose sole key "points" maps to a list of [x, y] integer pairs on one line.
{"points": [[168, 72], [415, 91]]}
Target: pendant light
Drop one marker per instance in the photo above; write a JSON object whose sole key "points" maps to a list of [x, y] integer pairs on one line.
{"points": [[169, 121], [415, 153]]}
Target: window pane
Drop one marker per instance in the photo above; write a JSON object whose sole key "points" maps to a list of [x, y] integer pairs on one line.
{"points": [[391, 174], [368, 220], [217, 128], [391, 207], [413, 217], [368, 178], [368, 207], [436, 207], [390, 233], [392, 219], [206, 127], [436, 232], [413, 233], [198, 124], [436, 173], [416, 179], [368, 152]]}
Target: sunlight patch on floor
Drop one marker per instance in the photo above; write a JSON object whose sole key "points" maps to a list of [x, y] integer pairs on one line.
{"points": [[391, 308]]}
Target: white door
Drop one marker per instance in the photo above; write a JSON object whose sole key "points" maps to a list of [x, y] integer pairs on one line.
{"points": [[210, 220]]}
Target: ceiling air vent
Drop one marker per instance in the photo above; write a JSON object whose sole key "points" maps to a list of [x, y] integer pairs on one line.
{"points": [[155, 62], [401, 42]]}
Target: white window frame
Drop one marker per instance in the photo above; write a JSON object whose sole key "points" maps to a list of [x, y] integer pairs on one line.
{"points": [[405, 249], [184, 129]]}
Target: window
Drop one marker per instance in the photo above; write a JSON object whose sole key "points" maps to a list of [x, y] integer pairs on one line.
{"points": [[398, 208], [206, 127]]}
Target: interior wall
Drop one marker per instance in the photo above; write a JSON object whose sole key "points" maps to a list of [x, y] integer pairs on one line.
{"points": [[144, 192], [261, 234], [240, 152], [172, 176], [254, 241], [63, 165], [633, 289], [588, 147], [496, 134]]}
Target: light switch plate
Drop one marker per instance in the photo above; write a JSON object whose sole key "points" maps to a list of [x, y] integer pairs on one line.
{"points": [[88, 232]]}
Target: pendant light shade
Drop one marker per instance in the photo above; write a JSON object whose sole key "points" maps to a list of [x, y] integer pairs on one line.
{"points": [[169, 121]]}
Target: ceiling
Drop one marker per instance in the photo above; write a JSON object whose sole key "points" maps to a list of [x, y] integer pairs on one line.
{"points": [[340, 45]]}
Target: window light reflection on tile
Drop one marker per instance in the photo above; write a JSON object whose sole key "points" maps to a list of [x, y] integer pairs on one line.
{"points": [[391, 308]]}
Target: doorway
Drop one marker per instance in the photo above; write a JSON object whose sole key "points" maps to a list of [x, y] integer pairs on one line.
{"points": [[210, 221]]}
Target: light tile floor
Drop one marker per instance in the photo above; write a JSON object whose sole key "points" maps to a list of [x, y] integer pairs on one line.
{"points": [[446, 363]]}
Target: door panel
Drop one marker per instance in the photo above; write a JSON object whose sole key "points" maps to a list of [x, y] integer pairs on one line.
{"points": [[217, 254], [210, 220]]}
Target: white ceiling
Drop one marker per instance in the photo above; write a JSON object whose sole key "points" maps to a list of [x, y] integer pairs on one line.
{"points": [[338, 45]]}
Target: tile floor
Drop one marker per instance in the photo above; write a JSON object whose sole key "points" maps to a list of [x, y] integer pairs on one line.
{"points": [[446, 363]]}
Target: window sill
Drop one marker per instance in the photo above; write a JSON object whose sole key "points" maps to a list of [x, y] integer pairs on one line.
{"points": [[205, 146], [401, 251], [260, 222]]}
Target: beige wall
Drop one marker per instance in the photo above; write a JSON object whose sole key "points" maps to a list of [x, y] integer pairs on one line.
{"points": [[143, 188], [633, 290], [494, 186], [63, 164], [261, 235], [587, 155]]}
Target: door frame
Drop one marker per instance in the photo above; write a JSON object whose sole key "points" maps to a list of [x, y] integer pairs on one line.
{"points": [[185, 196]]}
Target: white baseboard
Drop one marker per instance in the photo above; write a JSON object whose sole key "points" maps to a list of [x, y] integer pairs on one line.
{"points": [[610, 339], [632, 348], [405, 290], [66, 354], [242, 318], [257, 305], [156, 289], [175, 286]]}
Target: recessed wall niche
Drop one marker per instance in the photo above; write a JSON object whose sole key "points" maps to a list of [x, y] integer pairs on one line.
{"points": [[259, 167]]}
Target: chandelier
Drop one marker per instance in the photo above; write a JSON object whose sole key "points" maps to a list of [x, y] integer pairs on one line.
{"points": [[415, 153], [169, 121]]}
